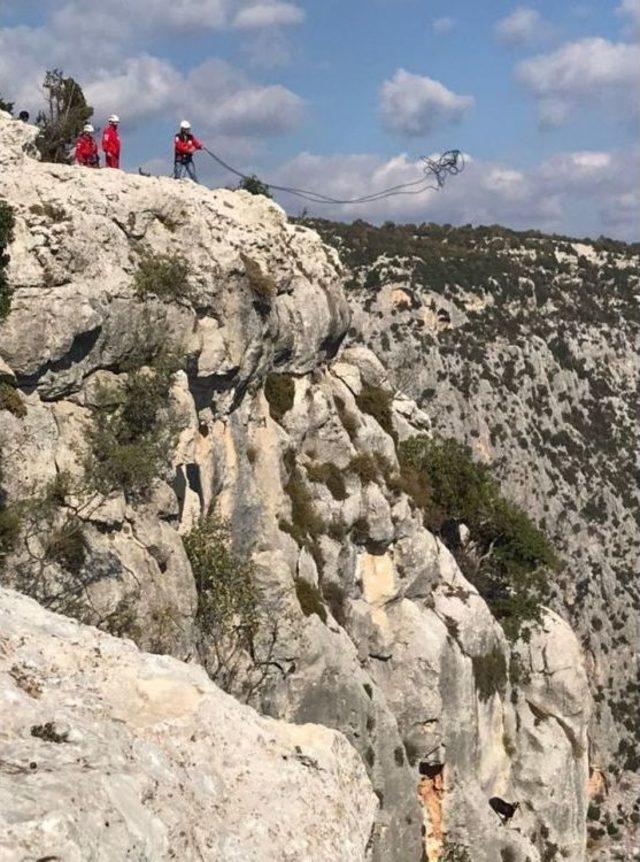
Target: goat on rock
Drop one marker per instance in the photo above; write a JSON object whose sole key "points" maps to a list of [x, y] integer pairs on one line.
{"points": [[504, 810]]}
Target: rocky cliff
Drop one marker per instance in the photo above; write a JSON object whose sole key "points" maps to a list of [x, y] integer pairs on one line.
{"points": [[525, 347], [178, 400], [108, 753]]}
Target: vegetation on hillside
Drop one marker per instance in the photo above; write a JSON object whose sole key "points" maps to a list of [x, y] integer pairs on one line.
{"points": [[165, 275], [254, 186], [507, 558], [130, 437], [237, 624], [7, 223], [133, 430]]}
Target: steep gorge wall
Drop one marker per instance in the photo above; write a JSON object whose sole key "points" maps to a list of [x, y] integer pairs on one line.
{"points": [[378, 633], [525, 347]]}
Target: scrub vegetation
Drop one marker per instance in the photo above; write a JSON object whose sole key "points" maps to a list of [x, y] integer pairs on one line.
{"points": [[508, 558]]}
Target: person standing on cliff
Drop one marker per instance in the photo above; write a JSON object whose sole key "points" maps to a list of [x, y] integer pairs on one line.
{"points": [[111, 142], [185, 145], [86, 153]]}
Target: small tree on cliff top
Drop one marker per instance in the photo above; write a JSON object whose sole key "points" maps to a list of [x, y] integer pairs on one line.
{"points": [[61, 120], [6, 106]]}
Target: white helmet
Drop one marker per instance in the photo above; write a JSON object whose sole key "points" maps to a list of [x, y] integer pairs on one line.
{"points": [[114, 118], [185, 124], [89, 128]]}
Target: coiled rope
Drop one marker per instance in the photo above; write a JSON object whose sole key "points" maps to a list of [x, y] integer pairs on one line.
{"points": [[449, 164]]}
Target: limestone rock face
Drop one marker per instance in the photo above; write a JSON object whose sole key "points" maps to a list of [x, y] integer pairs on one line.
{"points": [[525, 347], [78, 241], [373, 631], [552, 719], [109, 753]]}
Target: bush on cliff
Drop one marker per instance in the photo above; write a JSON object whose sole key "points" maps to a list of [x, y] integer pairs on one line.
{"points": [[377, 401], [10, 400], [279, 390], [133, 431], [163, 275], [229, 612], [508, 558], [10, 528], [7, 223], [254, 186], [5, 105]]}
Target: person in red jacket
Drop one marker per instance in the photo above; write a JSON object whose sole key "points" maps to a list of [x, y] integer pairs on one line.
{"points": [[111, 142], [185, 145], [87, 149]]}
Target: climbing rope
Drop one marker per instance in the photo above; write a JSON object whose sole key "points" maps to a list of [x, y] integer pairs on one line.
{"points": [[449, 164]]}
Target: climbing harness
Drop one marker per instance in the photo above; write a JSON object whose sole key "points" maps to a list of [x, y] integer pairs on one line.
{"points": [[449, 164]]}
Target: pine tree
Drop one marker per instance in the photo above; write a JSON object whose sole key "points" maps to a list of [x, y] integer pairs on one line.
{"points": [[63, 117]]}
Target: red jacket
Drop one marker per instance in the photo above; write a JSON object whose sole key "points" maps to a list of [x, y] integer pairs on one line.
{"points": [[185, 146], [87, 152], [111, 146]]}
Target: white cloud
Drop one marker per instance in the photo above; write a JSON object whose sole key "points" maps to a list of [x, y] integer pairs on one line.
{"points": [[576, 193], [226, 102], [143, 88], [271, 14], [215, 96], [582, 74], [631, 9], [415, 105], [443, 25], [521, 26], [102, 46]]}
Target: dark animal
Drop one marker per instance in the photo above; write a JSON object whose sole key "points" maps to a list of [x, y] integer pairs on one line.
{"points": [[504, 810]]}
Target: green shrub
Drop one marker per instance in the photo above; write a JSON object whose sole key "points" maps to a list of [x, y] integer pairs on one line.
{"points": [[132, 433], [279, 390], [262, 285], [163, 275], [228, 598], [5, 105], [455, 853], [511, 558], [365, 466], [490, 673], [65, 545], [411, 482], [360, 531], [377, 403], [231, 616], [51, 532], [306, 521], [7, 223], [10, 529], [310, 599], [10, 400], [329, 475], [254, 186]]}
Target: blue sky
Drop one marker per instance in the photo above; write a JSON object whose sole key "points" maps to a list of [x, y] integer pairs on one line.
{"points": [[345, 95]]}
